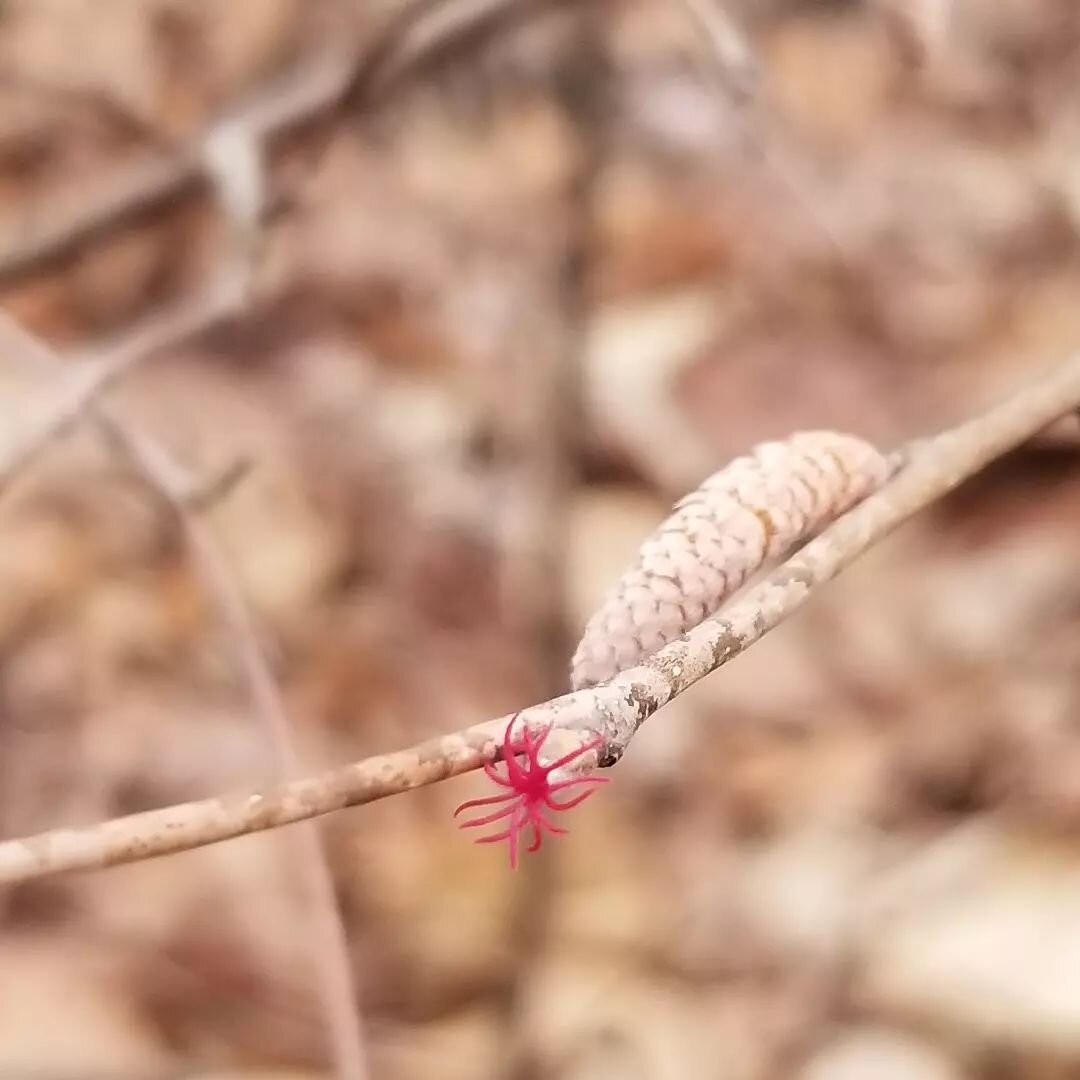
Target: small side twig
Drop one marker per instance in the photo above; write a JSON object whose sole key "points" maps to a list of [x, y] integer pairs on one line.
{"points": [[59, 223], [339, 81], [95, 372], [615, 709]]}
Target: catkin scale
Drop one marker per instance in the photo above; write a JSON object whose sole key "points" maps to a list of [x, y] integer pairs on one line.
{"points": [[756, 508]]}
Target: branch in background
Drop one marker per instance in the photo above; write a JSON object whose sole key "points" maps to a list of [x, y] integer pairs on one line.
{"points": [[58, 224], [330, 947], [96, 371], [426, 31], [341, 81], [174, 485], [737, 74], [918, 29], [615, 709], [538, 416], [756, 508]]}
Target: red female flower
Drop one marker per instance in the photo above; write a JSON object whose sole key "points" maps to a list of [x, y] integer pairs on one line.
{"points": [[530, 790]]}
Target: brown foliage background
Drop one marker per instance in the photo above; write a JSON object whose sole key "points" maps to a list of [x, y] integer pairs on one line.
{"points": [[505, 312]]}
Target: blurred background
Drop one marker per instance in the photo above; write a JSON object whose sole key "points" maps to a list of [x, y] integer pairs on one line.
{"points": [[516, 275]]}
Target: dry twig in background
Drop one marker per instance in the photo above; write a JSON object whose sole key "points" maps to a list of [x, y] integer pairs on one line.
{"points": [[423, 31], [537, 408], [738, 74], [62, 222], [615, 709], [918, 29], [339, 79], [98, 370], [172, 483]]}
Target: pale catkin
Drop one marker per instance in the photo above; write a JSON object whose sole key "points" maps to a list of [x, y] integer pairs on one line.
{"points": [[756, 508]]}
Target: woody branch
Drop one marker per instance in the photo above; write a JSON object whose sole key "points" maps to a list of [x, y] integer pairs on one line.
{"points": [[615, 709]]}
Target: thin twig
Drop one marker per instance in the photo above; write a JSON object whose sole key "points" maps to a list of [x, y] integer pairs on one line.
{"points": [[918, 29], [426, 31], [615, 709], [96, 371], [330, 947], [172, 482], [738, 74], [735, 63], [339, 81], [57, 224]]}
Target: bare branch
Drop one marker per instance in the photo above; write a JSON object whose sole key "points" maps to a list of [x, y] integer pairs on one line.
{"points": [[615, 709]]}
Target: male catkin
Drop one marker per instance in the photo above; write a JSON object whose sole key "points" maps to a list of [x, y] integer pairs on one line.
{"points": [[757, 507]]}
